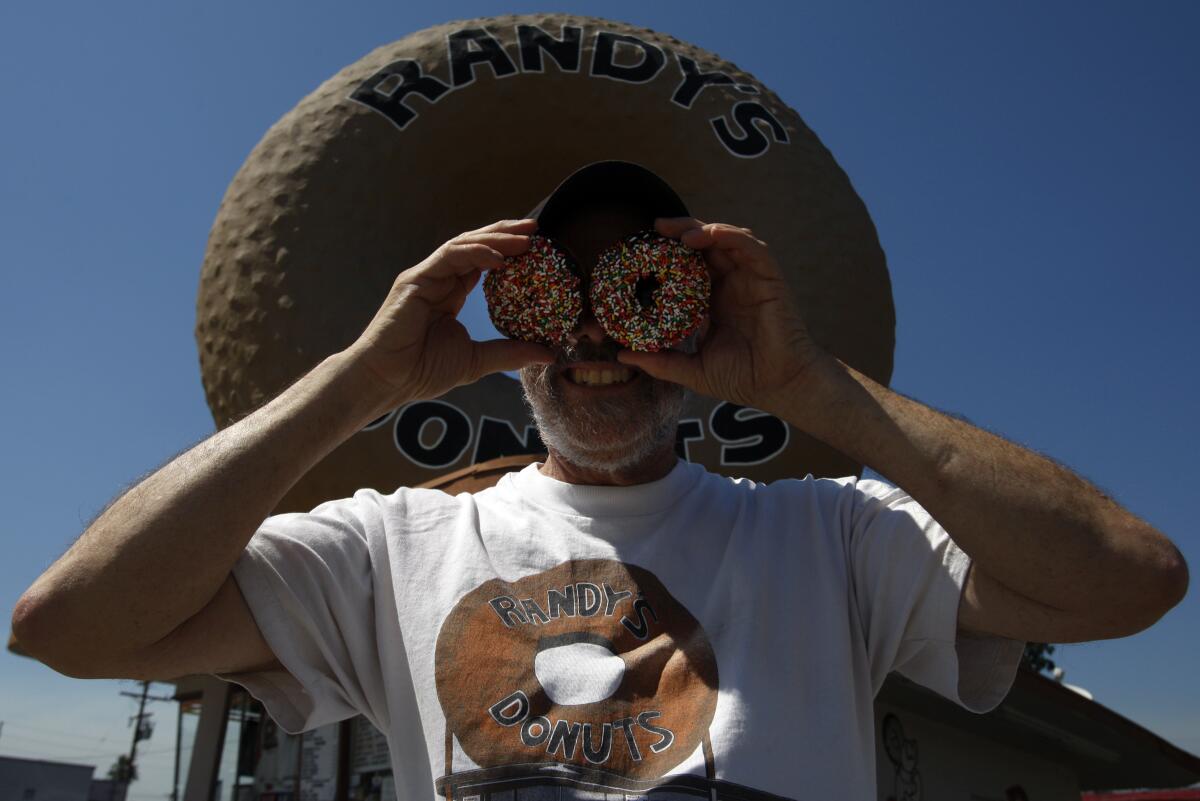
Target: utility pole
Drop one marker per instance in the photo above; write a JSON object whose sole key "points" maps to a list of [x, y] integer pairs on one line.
{"points": [[137, 726], [142, 729]]}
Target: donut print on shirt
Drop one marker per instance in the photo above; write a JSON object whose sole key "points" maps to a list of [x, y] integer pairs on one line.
{"points": [[589, 673]]}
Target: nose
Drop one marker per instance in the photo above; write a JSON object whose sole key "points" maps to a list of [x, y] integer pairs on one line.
{"points": [[589, 329]]}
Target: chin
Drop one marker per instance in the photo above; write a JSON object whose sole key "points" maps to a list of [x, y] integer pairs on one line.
{"points": [[607, 434], [604, 461]]}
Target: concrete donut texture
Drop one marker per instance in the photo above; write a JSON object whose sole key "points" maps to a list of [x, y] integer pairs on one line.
{"points": [[456, 126]]}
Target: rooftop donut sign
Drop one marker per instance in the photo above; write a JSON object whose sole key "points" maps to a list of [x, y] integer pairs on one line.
{"points": [[464, 123], [746, 130], [444, 435]]}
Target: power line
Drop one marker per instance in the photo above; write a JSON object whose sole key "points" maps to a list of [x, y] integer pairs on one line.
{"points": [[71, 749], [125, 769], [60, 746], [41, 755], [76, 747], [45, 730], [47, 742]]}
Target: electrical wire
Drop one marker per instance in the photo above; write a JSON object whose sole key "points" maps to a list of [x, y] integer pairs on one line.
{"points": [[45, 730], [72, 751]]}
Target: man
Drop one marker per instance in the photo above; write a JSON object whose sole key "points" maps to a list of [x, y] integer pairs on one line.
{"points": [[613, 619]]}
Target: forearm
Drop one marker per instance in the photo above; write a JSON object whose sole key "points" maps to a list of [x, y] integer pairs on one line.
{"points": [[1027, 522], [159, 553]]}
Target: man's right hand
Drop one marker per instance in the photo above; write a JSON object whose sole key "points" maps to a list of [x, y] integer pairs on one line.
{"points": [[147, 588], [415, 348]]}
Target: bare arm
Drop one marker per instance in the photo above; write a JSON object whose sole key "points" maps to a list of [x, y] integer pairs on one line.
{"points": [[159, 554], [1054, 560]]}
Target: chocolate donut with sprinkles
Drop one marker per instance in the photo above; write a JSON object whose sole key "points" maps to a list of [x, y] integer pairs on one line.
{"points": [[535, 296], [649, 292]]}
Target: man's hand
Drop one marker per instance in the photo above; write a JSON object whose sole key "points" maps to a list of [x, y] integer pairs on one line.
{"points": [[415, 347], [757, 350], [1055, 560]]}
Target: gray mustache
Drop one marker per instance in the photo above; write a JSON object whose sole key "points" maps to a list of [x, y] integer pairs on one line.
{"points": [[587, 351]]}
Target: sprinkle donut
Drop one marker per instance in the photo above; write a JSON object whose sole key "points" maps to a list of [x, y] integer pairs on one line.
{"points": [[536, 295], [650, 291]]}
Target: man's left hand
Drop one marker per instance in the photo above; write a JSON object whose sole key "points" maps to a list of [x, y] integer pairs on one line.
{"points": [[757, 350]]}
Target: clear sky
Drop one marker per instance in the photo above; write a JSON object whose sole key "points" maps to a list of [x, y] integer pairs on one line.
{"points": [[1031, 168]]}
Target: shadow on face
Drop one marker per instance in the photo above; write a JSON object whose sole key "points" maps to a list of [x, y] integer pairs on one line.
{"points": [[591, 229]]}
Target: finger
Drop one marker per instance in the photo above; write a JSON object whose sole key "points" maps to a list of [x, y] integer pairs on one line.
{"points": [[719, 262], [668, 365], [460, 258], [727, 247], [497, 355], [465, 284], [507, 243], [675, 226], [508, 226], [727, 236]]}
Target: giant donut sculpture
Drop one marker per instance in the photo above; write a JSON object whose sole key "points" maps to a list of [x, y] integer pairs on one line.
{"points": [[388, 159], [655, 713]]}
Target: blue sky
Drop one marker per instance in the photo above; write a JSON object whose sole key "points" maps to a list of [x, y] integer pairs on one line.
{"points": [[1031, 169]]}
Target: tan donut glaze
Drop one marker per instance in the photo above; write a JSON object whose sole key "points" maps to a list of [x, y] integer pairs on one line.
{"points": [[500, 713]]}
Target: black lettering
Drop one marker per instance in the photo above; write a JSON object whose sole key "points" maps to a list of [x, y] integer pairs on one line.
{"points": [[642, 628], [561, 602], [534, 611], [456, 433], [506, 607], [385, 90], [612, 598], [589, 597], [463, 59], [694, 81], [626, 725], [532, 40], [603, 64], [504, 713], [531, 737], [687, 431], [599, 755], [754, 142], [666, 736], [498, 438], [565, 737], [753, 437]]}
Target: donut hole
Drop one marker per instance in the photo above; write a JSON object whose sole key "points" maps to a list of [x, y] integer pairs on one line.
{"points": [[578, 672], [644, 290]]}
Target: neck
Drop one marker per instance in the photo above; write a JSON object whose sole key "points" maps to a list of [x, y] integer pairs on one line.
{"points": [[654, 467]]}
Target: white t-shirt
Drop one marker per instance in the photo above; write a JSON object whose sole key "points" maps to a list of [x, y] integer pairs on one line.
{"points": [[690, 636]]}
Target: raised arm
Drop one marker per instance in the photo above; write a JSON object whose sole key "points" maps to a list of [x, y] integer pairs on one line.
{"points": [[1053, 558], [160, 553]]}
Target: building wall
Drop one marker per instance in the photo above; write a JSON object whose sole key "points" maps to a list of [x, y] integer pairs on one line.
{"points": [[47, 781], [917, 759]]}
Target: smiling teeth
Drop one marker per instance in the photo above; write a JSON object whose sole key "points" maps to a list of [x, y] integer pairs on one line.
{"points": [[595, 378]]}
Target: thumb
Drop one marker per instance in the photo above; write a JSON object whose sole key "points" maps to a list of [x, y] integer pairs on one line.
{"points": [[668, 365], [497, 355]]}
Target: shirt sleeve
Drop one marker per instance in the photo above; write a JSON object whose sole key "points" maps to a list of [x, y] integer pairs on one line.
{"points": [[907, 577], [308, 581]]}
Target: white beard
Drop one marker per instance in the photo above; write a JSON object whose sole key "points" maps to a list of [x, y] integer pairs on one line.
{"points": [[607, 434]]}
